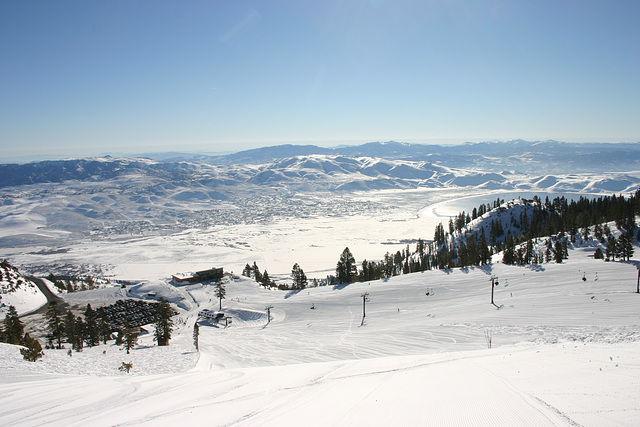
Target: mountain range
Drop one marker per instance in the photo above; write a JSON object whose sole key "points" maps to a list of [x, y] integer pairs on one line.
{"points": [[519, 155], [392, 160], [108, 195]]}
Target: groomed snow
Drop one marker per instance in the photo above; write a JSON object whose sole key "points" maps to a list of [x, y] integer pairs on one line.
{"points": [[564, 352]]}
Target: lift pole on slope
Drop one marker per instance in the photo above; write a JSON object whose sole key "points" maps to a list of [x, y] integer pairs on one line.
{"points": [[268, 308], [494, 283], [365, 298]]}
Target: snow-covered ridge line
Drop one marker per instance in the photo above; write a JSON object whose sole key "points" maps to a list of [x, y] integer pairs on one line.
{"points": [[314, 172], [527, 156]]}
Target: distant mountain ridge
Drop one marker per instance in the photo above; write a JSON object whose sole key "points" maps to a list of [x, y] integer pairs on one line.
{"points": [[520, 155], [375, 165]]}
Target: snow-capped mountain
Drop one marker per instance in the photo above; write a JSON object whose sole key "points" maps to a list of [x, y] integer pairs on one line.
{"points": [[542, 157], [309, 172], [523, 156]]}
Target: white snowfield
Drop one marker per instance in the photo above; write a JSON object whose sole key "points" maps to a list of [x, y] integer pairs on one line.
{"points": [[563, 352]]}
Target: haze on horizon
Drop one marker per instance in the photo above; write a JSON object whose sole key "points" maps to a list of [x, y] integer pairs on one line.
{"points": [[81, 78]]}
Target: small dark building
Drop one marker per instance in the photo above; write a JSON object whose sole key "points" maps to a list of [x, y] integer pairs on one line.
{"points": [[211, 274], [201, 276]]}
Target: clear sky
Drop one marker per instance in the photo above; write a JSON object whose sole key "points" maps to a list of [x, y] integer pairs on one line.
{"points": [[88, 77]]}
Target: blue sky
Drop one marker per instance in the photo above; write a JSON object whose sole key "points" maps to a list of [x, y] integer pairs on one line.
{"points": [[89, 77]]}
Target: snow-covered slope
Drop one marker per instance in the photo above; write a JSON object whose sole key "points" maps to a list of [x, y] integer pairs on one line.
{"points": [[563, 352], [18, 291]]}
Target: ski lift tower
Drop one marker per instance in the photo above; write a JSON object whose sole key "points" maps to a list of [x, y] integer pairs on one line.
{"points": [[268, 308], [494, 283], [365, 299]]}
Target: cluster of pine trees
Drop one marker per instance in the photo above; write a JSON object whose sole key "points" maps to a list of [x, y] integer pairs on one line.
{"points": [[76, 330], [72, 284], [563, 220], [91, 329], [252, 271], [458, 246], [298, 277], [560, 218], [12, 332]]}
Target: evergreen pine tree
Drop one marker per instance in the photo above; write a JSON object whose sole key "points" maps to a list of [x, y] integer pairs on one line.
{"points": [[439, 236], [558, 255], [473, 255], [387, 265], [298, 277], [597, 231], [266, 280], [163, 322], [55, 323], [364, 272], [247, 271], [509, 254], [346, 269], [120, 337], [33, 350], [397, 263], [220, 293], [612, 247], [529, 252], [80, 331], [483, 249], [256, 273], [92, 333], [405, 266], [130, 337], [70, 328], [625, 245], [13, 328], [104, 328], [196, 335]]}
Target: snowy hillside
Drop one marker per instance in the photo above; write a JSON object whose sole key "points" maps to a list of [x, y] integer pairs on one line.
{"points": [[553, 350], [18, 291]]}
